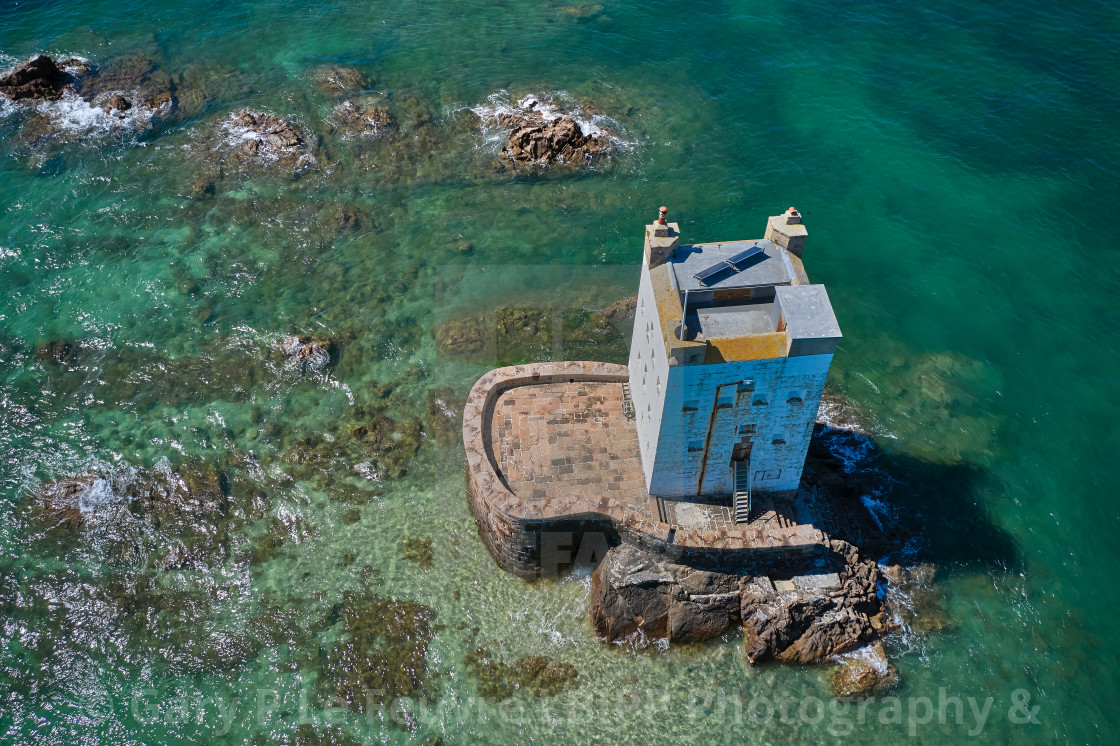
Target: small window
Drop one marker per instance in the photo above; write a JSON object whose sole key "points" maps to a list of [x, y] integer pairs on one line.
{"points": [[778, 441], [746, 429], [795, 401], [695, 446], [760, 402], [690, 406]]}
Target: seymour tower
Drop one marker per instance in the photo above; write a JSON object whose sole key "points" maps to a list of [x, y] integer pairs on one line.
{"points": [[731, 348]]}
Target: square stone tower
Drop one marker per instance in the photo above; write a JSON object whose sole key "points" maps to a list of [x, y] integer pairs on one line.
{"points": [[731, 348]]}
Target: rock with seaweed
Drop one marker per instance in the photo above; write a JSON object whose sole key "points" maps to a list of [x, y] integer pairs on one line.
{"points": [[380, 654], [418, 550], [339, 80], [538, 675]]}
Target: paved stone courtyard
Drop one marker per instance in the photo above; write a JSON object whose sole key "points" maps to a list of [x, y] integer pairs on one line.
{"points": [[567, 440]]}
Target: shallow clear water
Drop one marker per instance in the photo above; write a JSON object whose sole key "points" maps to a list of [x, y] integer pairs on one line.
{"points": [[954, 165]]}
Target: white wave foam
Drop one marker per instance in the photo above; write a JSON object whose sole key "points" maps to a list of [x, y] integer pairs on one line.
{"points": [[549, 107], [237, 135], [73, 114], [99, 496], [868, 655], [881, 512]]}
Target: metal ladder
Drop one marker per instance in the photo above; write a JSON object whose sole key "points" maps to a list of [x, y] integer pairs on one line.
{"points": [[742, 501], [627, 402]]}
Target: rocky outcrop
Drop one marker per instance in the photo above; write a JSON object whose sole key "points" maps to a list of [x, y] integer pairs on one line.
{"points": [[311, 353], [541, 134], [38, 78], [363, 118], [557, 141], [804, 620], [822, 615], [264, 133], [636, 593]]}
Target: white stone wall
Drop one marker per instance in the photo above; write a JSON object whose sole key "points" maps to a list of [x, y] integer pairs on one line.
{"points": [[674, 411], [649, 371], [778, 397]]}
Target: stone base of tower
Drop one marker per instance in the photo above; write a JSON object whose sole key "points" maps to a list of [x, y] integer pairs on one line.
{"points": [[555, 476]]}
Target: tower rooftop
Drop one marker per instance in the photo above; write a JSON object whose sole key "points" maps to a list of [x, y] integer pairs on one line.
{"points": [[736, 309], [771, 266]]}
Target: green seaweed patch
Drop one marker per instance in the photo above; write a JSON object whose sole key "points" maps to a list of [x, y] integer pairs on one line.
{"points": [[464, 338], [591, 335], [537, 674], [418, 551], [381, 653], [524, 334]]}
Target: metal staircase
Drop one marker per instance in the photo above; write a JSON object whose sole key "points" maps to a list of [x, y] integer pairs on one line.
{"points": [[742, 501]]}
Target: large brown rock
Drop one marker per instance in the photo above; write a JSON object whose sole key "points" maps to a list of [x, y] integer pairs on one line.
{"points": [[635, 592], [809, 619], [541, 134], [557, 141], [38, 78], [863, 672]]}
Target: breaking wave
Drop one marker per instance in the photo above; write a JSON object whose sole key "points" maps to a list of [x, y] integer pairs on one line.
{"points": [[549, 107]]}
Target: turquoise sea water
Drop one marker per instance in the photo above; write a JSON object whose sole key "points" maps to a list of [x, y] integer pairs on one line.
{"points": [[955, 166]]}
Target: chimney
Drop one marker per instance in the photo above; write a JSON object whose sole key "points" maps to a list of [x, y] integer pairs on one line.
{"points": [[662, 239], [787, 231]]}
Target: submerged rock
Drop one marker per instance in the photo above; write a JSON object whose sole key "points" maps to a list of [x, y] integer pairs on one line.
{"points": [[445, 415], [64, 353], [915, 600], [181, 513], [312, 353], [38, 78], [418, 551], [362, 118], [122, 83], [621, 311], [463, 337], [863, 672], [537, 674], [381, 653], [338, 79]]}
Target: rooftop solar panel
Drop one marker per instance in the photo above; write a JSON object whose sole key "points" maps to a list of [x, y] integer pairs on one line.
{"points": [[704, 275], [731, 262], [743, 256]]}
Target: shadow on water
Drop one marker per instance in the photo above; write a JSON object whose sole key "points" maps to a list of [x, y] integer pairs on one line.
{"points": [[928, 512]]}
